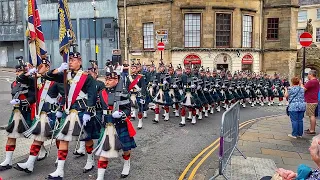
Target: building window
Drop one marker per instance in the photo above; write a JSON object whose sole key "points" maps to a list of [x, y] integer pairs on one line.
{"points": [[318, 13], [247, 31], [273, 29], [318, 35], [148, 38], [302, 16], [223, 29], [192, 30], [299, 32]]}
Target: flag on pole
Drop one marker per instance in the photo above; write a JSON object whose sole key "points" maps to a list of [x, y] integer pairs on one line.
{"points": [[35, 34], [66, 34]]}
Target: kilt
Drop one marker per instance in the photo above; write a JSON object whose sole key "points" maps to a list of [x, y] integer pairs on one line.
{"points": [[15, 127], [221, 97], [177, 95], [127, 142], [311, 109], [229, 96], [270, 92], [252, 94], [208, 97], [215, 97], [202, 98], [196, 100], [239, 92], [235, 95], [244, 93]]}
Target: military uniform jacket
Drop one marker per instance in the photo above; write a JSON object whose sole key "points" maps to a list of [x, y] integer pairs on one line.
{"points": [[277, 82], [24, 90], [161, 77], [85, 104], [140, 88]]}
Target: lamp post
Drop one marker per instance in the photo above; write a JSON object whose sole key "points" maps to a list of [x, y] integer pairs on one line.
{"points": [[96, 48]]}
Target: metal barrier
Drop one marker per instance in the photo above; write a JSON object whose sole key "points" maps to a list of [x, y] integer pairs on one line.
{"points": [[229, 136]]}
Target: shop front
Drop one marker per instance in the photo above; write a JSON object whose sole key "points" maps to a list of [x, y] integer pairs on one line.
{"points": [[247, 61]]}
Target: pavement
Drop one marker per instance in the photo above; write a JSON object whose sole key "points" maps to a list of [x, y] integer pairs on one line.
{"points": [[267, 147]]}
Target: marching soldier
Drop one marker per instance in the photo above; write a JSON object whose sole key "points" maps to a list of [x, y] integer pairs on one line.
{"points": [[277, 85], [218, 94], [268, 89], [162, 97], [191, 99], [201, 93], [23, 99], [80, 107], [176, 87], [48, 111], [243, 83], [137, 89], [151, 85], [118, 131], [96, 121]]}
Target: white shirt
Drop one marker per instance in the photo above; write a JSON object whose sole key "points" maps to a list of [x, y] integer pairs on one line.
{"points": [[119, 69]]}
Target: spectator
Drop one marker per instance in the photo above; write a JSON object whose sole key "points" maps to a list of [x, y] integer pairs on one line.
{"points": [[118, 68], [311, 98], [297, 107], [304, 172], [125, 71]]}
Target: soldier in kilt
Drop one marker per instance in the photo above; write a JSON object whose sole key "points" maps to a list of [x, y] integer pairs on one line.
{"points": [[251, 87], [205, 90], [162, 97], [217, 93], [76, 121], [118, 131], [268, 89], [277, 88], [243, 83], [227, 89], [23, 99], [175, 86], [48, 111], [234, 88], [151, 86]]}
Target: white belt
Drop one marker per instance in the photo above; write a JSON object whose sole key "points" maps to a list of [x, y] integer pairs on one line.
{"points": [[107, 112]]}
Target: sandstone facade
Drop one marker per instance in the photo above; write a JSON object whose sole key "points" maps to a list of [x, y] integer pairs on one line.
{"points": [[267, 55]]}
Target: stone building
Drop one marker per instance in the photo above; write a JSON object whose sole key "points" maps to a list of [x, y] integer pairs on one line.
{"points": [[236, 35]]}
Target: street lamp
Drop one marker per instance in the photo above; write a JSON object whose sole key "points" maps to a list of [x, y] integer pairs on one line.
{"points": [[96, 15]]}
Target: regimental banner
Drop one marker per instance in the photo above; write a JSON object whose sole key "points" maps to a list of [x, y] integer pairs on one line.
{"points": [[162, 33]]}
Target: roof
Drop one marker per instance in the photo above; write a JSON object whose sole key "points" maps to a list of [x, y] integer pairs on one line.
{"points": [[308, 2]]}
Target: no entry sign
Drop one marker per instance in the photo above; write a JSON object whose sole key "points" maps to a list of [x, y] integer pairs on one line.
{"points": [[305, 39], [161, 46]]}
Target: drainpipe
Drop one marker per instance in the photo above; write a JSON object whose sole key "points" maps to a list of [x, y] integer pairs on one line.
{"points": [[125, 31], [262, 34], [24, 23]]}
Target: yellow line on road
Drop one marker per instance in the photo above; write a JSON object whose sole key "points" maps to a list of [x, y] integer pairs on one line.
{"points": [[202, 152], [194, 171]]}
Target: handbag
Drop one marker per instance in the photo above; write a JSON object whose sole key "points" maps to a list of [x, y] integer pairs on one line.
{"points": [[287, 110]]}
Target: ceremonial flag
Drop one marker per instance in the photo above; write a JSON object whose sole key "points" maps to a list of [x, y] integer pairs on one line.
{"points": [[35, 34], [66, 34]]}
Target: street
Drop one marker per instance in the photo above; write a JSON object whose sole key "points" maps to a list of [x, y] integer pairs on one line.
{"points": [[164, 150]]}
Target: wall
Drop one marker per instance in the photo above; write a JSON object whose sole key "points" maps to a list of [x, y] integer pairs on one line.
{"points": [[311, 14], [79, 11]]}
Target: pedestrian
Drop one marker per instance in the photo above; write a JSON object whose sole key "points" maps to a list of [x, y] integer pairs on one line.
{"points": [[125, 70], [311, 98], [118, 68], [296, 108]]}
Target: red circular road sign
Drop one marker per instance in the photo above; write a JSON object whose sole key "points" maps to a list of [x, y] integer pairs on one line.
{"points": [[305, 39], [161, 46]]}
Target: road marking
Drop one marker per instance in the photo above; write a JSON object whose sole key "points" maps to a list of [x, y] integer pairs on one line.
{"points": [[200, 154], [194, 171]]}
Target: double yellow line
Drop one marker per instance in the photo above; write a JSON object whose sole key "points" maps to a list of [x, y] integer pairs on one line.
{"points": [[216, 146]]}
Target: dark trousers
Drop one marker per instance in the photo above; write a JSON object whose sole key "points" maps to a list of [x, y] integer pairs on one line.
{"points": [[296, 118]]}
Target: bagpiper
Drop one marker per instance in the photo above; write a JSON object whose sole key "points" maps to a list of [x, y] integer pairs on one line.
{"points": [[80, 107], [137, 89], [176, 88], [151, 85], [23, 101], [118, 131], [49, 109], [162, 97]]}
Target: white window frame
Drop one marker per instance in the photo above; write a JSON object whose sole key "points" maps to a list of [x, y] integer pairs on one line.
{"points": [[318, 14], [247, 31], [299, 32], [192, 30], [317, 35], [148, 35], [302, 16]]}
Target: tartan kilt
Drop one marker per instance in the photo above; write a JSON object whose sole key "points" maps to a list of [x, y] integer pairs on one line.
{"points": [[235, 95], [270, 92], [196, 100], [244, 93], [177, 95], [239, 92], [127, 142], [215, 96], [208, 97], [221, 97], [202, 98], [252, 94], [229, 96]]}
